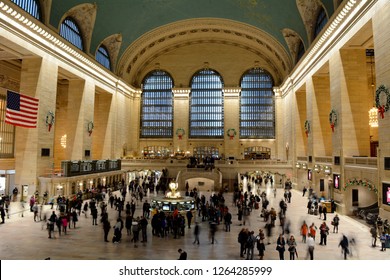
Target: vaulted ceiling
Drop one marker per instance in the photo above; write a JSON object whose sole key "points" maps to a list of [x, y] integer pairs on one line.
{"points": [[139, 33]]}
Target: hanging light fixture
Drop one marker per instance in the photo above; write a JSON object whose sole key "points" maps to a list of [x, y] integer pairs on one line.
{"points": [[373, 112]]}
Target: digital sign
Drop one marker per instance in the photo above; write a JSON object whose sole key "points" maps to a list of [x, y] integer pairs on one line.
{"points": [[386, 193], [309, 174], [336, 181]]}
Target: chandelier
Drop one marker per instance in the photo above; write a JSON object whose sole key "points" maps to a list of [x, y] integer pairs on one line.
{"points": [[373, 117]]}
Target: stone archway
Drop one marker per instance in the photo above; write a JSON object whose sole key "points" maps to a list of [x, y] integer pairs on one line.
{"points": [[187, 174]]}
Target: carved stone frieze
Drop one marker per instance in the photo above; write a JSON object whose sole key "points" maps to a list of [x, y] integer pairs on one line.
{"points": [[9, 83], [309, 11], [293, 40]]}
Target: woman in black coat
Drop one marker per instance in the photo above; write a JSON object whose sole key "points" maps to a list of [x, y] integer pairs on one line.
{"points": [[280, 246]]}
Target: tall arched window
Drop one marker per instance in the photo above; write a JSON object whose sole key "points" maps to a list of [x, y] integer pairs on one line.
{"points": [[70, 31], [206, 105], [257, 105], [321, 21], [103, 57], [30, 6], [157, 105]]}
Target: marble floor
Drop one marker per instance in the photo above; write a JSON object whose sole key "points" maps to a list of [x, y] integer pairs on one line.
{"points": [[24, 239]]}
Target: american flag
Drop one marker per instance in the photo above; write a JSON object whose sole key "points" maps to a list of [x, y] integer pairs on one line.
{"points": [[21, 110]]}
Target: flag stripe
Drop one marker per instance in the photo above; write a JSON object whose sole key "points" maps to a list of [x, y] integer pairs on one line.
{"points": [[22, 110]]}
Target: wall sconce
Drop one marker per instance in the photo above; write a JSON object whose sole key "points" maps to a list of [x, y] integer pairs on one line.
{"points": [[298, 165], [327, 170], [304, 166], [317, 168]]}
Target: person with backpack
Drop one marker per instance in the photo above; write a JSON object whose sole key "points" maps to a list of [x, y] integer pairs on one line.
{"points": [[250, 245]]}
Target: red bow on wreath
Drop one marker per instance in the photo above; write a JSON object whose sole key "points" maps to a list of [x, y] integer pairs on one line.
{"points": [[307, 133], [332, 126], [381, 110]]}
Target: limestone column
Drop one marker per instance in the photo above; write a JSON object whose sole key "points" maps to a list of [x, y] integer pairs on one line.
{"points": [[102, 136], [181, 111], [350, 97], [38, 79], [321, 130], [380, 22], [300, 113], [232, 121], [134, 120], [78, 113]]}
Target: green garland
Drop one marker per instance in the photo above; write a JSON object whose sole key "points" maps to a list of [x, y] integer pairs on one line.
{"points": [[378, 92], [307, 127], [332, 117], [360, 182], [180, 131], [231, 132]]}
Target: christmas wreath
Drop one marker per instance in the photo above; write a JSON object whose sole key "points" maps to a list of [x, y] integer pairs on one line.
{"points": [[333, 119], [360, 182], [382, 105], [180, 133], [307, 127], [231, 132], [90, 127], [50, 119]]}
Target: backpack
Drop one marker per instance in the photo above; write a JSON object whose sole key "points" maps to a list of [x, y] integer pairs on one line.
{"points": [[249, 242]]}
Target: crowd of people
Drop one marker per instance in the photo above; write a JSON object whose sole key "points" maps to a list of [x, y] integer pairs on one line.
{"points": [[264, 221]]}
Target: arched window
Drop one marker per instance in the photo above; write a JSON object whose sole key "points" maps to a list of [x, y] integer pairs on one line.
{"points": [[70, 31], [206, 105], [257, 105], [157, 105], [301, 51], [103, 57], [321, 21], [30, 6]]}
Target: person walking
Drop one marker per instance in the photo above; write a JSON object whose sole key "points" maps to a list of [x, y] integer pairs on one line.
{"points": [[196, 233], [280, 246], [344, 246], [313, 231], [335, 223], [106, 229], [228, 221], [304, 231], [250, 246], [64, 221], [324, 231], [292, 247], [242, 237], [324, 211], [310, 246], [374, 235], [260, 243], [383, 239], [74, 218]]}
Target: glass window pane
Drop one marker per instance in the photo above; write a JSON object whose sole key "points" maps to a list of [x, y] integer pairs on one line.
{"points": [[70, 31], [30, 6], [157, 106], [257, 108], [103, 57], [206, 105]]}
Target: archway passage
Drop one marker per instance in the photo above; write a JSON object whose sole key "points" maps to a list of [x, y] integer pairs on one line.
{"points": [[201, 179]]}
